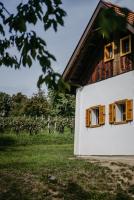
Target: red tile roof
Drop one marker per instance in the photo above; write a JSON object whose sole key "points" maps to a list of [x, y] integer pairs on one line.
{"points": [[118, 10]]}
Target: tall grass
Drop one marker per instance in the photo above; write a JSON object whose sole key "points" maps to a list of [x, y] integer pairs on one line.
{"points": [[42, 138]]}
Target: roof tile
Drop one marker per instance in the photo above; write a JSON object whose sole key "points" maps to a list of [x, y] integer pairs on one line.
{"points": [[118, 10]]}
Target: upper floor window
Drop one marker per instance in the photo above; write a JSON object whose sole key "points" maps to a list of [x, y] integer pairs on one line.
{"points": [[109, 52], [125, 45]]}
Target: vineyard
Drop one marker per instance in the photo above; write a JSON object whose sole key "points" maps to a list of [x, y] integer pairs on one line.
{"points": [[32, 125], [51, 113]]}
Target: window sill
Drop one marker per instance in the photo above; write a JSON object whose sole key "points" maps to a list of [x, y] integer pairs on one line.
{"points": [[117, 123], [110, 59], [95, 126], [124, 54]]}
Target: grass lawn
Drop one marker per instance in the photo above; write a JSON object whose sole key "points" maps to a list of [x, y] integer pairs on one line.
{"points": [[43, 167]]}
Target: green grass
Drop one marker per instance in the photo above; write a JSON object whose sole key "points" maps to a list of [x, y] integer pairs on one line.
{"points": [[43, 167], [25, 139]]}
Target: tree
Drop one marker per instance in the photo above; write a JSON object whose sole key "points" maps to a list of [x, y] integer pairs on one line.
{"points": [[19, 102], [37, 106], [61, 104], [5, 104], [15, 33]]}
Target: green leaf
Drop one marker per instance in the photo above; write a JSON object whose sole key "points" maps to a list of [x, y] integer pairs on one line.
{"points": [[24, 60], [57, 2], [20, 24], [2, 30], [29, 61], [47, 25], [31, 17], [54, 25], [40, 81], [33, 53], [60, 20]]}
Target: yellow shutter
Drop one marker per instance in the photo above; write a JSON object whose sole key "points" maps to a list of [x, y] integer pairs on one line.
{"points": [[101, 115], [88, 117], [111, 113], [129, 110]]}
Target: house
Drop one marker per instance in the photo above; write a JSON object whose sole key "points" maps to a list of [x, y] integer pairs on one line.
{"points": [[102, 70]]}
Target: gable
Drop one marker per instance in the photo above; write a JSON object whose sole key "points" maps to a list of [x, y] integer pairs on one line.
{"points": [[87, 64]]}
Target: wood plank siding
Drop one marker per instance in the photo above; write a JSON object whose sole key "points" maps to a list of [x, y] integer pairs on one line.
{"points": [[102, 70]]}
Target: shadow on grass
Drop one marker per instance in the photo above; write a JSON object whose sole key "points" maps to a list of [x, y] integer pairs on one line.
{"points": [[75, 191], [18, 165], [19, 187], [26, 186], [6, 141]]}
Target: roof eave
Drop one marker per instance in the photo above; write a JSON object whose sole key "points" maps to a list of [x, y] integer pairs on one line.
{"points": [[82, 39]]}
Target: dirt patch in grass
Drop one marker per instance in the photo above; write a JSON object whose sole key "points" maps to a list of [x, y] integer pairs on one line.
{"points": [[120, 171]]}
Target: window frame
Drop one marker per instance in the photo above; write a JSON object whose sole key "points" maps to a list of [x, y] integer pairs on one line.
{"points": [[91, 110], [105, 49], [117, 103], [113, 114], [121, 45], [101, 116]]}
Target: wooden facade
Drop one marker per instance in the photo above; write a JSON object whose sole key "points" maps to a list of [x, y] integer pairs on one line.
{"points": [[120, 64]]}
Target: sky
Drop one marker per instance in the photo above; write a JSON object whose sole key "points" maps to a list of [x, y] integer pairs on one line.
{"points": [[60, 44]]}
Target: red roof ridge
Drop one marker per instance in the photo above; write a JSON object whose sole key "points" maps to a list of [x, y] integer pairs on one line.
{"points": [[117, 9], [109, 4]]}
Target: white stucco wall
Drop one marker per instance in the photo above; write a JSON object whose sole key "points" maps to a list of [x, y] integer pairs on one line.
{"points": [[107, 139]]}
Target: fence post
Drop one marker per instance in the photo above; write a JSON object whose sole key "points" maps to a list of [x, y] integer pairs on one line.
{"points": [[55, 125], [48, 125]]}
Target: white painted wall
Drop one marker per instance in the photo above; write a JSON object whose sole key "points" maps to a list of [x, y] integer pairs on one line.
{"points": [[107, 139]]}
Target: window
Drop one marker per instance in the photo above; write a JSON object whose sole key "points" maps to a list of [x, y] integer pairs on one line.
{"points": [[109, 52], [125, 45], [95, 116], [121, 112]]}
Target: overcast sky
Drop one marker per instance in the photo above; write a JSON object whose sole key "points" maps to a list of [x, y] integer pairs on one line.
{"points": [[61, 44]]}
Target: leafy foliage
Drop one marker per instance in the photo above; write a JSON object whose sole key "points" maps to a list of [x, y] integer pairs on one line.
{"points": [[110, 21], [4, 124], [54, 113], [37, 105], [29, 45], [61, 104], [19, 102], [5, 104]]}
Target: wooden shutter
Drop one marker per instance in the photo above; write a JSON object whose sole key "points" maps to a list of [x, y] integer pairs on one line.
{"points": [[88, 117], [101, 115], [129, 110], [111, 113]]}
